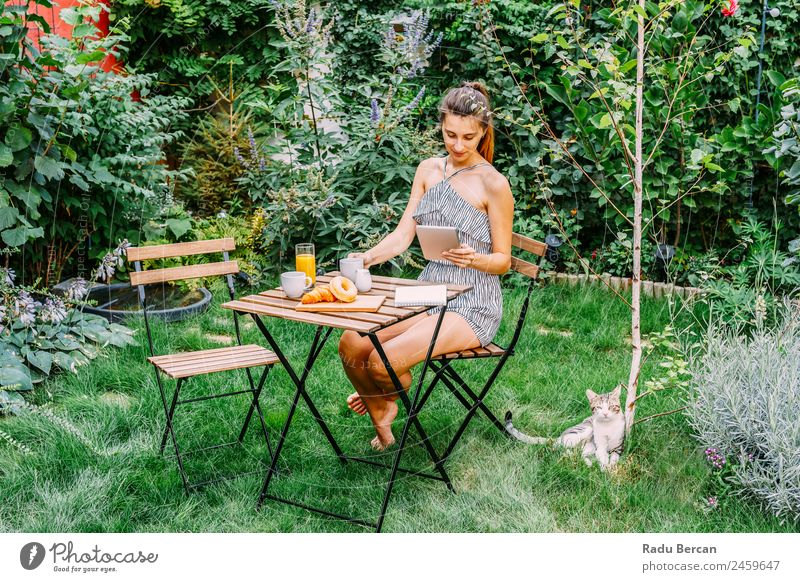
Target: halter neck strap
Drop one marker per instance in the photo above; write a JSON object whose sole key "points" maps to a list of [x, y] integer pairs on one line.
{"points": [[444, 172]]}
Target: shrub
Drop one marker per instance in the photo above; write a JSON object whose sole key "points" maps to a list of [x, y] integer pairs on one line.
{"points": [[749, 290], [745, 402], [81, 160], [38, 337]]}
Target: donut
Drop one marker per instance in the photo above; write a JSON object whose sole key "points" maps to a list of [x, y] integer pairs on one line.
{"points": [[344, 289]]}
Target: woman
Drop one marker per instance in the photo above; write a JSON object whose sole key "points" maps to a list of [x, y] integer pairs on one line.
{"points": [[461, 190]]}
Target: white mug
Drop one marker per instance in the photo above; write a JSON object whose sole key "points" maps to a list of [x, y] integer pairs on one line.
{"points": [[363, 280], [294, 283], [349, 266]]}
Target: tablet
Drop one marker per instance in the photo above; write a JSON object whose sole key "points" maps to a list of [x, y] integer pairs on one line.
{"points": [[436, 239]]}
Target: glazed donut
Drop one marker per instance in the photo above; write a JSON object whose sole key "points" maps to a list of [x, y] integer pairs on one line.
{"points": [[344, 289]]}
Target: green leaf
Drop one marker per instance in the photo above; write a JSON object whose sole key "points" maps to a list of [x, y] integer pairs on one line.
{"points": [[562, 42], [775, 78], [540, 38], [628, 66], [679, 22], [78, 180], [69, 153], [70, 16], [84, 29], [8, 216], [640, 11], [581, 112], [101, 173], [794, 171], [48, 167], [40, 19], [6, 156], [179, 226], [18, 137], [15, 378], [65, 361], [96, 334], [556, 9], [75, 70], [92, 57], [42, 360], [11, 401], [16, 237]]}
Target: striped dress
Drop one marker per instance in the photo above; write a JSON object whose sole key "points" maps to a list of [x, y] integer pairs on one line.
{"points": [[482, 307]]}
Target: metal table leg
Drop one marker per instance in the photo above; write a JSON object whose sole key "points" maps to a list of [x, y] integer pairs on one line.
{"points": [[412, 410], [299, 382]]}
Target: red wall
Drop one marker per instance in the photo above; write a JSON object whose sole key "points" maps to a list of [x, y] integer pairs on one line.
{"points": [[57, 26]]}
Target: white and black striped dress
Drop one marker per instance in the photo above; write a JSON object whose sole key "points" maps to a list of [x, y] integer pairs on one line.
{"points": [[482, 307]]}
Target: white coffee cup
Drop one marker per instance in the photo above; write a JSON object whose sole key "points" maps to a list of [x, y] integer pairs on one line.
{"points": [[363, 280], [349, 266], [294, 283]]}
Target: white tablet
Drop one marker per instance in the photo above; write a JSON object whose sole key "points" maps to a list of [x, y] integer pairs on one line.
{"points": [[436, 239]]}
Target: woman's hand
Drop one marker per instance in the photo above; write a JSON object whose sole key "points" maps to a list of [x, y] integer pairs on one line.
{"points": [[367, 256], [463, 256]]}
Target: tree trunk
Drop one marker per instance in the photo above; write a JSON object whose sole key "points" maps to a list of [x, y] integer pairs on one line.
{"points": [[636, 332]]}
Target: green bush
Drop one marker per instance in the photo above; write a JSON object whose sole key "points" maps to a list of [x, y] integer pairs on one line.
{"points": [[748, 291], [82, 156]]}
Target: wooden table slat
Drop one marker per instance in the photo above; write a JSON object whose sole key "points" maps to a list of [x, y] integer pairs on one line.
{"points": [[313, 318], [287, 303]]}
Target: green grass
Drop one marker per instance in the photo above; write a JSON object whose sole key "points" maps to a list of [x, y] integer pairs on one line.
{"points": [[110, 477]]}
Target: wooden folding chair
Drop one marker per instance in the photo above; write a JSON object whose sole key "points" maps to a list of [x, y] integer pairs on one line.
{"points": [[442, 365], [186, 365]]}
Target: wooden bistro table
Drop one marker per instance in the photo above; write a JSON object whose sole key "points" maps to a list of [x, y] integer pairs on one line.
{"points": [[275, 303]]}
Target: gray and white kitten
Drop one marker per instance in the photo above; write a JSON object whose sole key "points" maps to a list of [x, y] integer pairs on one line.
{"points": [[602, 434]]}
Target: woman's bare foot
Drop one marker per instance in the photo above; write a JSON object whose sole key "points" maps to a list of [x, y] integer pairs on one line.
{"points": [[355, 404], [377, 445], [382, 419]]}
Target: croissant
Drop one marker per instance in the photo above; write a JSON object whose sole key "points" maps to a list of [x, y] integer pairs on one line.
{"points": [[318, 295], [327, 294]]}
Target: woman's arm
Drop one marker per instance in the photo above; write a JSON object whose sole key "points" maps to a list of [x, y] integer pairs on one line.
{"points": [[397, 241], [501, 223]]}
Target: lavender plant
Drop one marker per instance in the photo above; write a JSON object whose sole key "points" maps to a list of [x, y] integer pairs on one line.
{"points": [[744, 405], [406, 54]]}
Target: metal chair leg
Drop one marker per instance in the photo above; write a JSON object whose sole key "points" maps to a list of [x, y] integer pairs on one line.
{"points": [[478, 404], [171, 431], [463, 385], [170, 415], [255, 405]]}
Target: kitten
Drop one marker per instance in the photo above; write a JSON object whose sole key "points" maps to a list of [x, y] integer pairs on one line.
{"points": [[602, 434]]}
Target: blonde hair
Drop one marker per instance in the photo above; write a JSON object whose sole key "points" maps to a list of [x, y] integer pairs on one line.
{"points": [[471, 99]]}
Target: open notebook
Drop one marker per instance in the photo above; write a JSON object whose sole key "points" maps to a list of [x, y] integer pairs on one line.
{"points": [[420, 295]]}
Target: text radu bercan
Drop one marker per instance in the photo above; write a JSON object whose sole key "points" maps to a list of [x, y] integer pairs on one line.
{"points": [[677, 549]]}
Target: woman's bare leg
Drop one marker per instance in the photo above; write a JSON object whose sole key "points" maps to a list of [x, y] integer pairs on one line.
{"points": [[354, 352], [405, 351]]}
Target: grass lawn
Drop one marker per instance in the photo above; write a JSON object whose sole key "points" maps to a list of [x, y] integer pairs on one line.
{"points": [[97, 468]]}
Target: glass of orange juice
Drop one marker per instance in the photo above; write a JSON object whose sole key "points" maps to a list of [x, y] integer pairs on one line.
{"points": [[305, 261]]}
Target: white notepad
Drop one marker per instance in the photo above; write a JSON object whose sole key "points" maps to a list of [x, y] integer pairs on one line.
{"points": [[420, 295]]}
